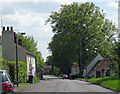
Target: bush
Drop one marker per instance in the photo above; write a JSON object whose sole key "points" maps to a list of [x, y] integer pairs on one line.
{"points": [[10, 67], [22, 71], [70, 76], [36, 80], [5, 65]]}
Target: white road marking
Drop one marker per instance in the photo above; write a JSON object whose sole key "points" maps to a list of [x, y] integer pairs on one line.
{"points": [[66, 89]]}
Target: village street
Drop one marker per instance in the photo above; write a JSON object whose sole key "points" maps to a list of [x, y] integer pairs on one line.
{"points": [[54, 84]]}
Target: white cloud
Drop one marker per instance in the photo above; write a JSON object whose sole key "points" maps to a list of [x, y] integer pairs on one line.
{"points": [[113, 4], [64, 1], [32, 25], [59, 1], [33, 22]]}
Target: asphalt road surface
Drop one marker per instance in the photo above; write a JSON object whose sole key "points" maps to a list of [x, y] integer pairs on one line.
{"points": [[53, 84]]}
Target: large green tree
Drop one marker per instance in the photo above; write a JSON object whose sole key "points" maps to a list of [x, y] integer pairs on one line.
{"points": [[81, 31]]}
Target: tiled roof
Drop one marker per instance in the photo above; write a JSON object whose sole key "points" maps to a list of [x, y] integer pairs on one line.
{"points": [[74, 65], [100, 65], [25, 50]]}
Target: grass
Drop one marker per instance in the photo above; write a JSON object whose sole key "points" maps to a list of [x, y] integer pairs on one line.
{"points": [[35, 80], [112, 82], [23, 84], [81, 79], [42, 78]]}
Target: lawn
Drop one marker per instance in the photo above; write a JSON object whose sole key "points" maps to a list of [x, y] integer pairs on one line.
{"points": [[112, 82]]}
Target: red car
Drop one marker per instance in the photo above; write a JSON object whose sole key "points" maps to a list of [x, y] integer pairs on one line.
{"points": [[64, 76]]}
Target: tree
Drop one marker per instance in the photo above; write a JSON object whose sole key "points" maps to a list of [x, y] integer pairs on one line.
{"points": [[81, 31]]}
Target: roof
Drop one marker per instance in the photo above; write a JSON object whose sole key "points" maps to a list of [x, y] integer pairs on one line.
{"points": [[74, 65], [25, 50], [2, 70], [100, 65], [91, 61]]}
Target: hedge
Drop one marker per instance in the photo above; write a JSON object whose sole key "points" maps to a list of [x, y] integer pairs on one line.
{"points": [[10, 67], [4, 65]]}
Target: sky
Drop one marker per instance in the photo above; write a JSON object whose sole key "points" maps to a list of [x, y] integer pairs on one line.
{"points": [[29, 16]]}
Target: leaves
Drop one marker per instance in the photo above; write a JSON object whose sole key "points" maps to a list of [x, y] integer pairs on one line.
{"points": [[78, 27]]}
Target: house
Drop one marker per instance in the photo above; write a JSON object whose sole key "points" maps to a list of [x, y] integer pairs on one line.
{"points": [[75, 69], [9, 46], [91, 64], [98, 67], [46, 69]]}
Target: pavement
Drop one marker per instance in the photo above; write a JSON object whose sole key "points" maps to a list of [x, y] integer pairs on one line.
{"points": [[28, 86], [47, 77]]}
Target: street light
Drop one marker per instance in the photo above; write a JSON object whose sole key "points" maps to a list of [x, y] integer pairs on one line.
{"points": [[17, 82]]}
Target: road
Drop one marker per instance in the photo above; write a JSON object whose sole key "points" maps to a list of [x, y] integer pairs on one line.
{"points": [[53, 84]]}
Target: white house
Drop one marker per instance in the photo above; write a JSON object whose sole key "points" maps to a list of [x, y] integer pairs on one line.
{"points": [[98, 67], [9, 51], [91, 64]]}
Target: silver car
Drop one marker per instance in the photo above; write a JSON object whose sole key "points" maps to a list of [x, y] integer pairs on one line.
{"points": [[6, 83]]}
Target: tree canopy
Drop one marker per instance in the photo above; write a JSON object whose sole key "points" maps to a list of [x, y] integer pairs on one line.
{"points": [[81, 31]]}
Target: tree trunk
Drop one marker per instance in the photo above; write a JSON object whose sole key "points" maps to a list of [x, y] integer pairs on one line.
{"points": [[80, 67]]}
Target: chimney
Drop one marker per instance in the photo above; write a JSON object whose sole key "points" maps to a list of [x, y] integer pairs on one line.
{"points": [[20, 41], [7, 28], [3, 28], [11, 28]]}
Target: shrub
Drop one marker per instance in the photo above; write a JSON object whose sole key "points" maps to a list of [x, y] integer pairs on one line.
{"points": [[10, 67], [70, 76], [5, 65], [36, 80], [22, 71]]}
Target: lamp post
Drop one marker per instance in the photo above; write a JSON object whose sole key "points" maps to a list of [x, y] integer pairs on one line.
{"points": [[17, 82]]}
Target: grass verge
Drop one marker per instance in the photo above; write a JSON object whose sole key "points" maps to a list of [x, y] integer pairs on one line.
{"points": [[23, 84], [35, 80], [112, 82], [81, 79]]}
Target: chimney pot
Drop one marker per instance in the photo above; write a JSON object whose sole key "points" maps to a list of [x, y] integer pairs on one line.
{"points": [[11, 28], [7, 28], [3, 28]]}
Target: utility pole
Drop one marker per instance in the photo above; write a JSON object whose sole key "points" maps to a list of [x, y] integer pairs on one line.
{"points": [[118, 39], [17, 70], [16, 62]]}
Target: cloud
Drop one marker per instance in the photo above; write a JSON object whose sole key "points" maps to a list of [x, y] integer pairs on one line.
{"points": [[30, 17], [23, 7], [113, 4], [32, 25]]}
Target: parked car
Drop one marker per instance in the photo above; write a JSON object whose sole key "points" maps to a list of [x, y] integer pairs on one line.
{"points": [[64, 76], [6, 83]]}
